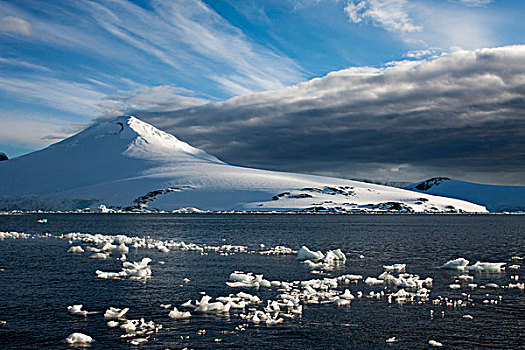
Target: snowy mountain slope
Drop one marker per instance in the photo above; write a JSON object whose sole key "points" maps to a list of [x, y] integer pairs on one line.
{"points": [[495, 198], [126, 163]]}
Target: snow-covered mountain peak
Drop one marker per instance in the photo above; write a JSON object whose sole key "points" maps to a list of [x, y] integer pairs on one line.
{"points": [[134, 138], [427, 184]]}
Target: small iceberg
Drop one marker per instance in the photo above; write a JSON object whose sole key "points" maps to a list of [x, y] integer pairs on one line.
{"points": [[395, 267], [462, 264], [238, 276], [205, 307], [120, 249], [75, 249], [333, 256], [435, 344], [98, 256], [78, 338], [114, 313], [304, 254], [456, 264], [179, 315], [77, 310], [371, 281], [486, 266]]}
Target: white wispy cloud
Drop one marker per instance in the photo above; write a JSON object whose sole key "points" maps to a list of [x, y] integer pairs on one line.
{"points": [[152, 99], [473, 2], [67, 96], [188, 37], [424, 53], [444, 25], [392, 15], [24, 64], [15, 25]]}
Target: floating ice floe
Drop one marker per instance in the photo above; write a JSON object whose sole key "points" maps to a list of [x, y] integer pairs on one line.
{"points": [[99, 256], [133, 328], [112, 324], [466, 277], [241, 279], [77, 310], [205, 307], [14, 235], [486, 266], [132, 270], [318, 260], [456, 264], [179, 315], [163, 249], [78, 338], [395, 267], [138, 341], [115, 313], [435, 343], [304, 254], [462, 264], [75, 249], [277, 250], [373, 281]]}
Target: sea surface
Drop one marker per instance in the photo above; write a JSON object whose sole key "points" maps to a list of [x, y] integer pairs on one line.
{"points": [[39, 279]]}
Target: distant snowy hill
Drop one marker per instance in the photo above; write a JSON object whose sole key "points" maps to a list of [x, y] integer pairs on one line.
{"points": [[495, 198], [128, 164]]}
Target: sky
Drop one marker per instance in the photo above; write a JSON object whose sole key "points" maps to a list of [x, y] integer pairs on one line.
{"points": [[389, 90]]}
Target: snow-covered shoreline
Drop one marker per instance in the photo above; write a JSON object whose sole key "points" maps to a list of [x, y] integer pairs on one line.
{"points": [[128, 165]]}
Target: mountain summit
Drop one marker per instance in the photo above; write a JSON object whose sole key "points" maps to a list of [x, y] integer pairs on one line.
{"points": [[129, 164]]}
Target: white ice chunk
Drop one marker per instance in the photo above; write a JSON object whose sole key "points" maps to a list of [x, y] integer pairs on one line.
{"points": [[79, 338], [179, 315], [75, 249], [456, 264], [114, 312], [98, 256], [486, 266], [435, 343], [77, 310], [373, 281], [347, 295], [306, 254], [122, 249], [241, 277], [395, 267]]}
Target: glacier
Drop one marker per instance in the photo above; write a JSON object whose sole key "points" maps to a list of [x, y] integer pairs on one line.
{"points": [[496, 198], [127, 164]]}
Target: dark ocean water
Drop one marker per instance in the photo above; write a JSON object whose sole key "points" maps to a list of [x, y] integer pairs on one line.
{"points": [[40, 279]]}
